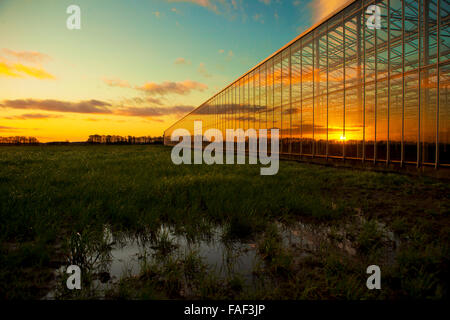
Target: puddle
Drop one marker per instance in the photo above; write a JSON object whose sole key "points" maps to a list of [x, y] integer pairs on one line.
{"points": [[127, 254], [309, 238], [123, 254], [224, 257]]}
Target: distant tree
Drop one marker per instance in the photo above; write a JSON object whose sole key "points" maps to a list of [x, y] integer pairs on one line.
{"points": [[18, 140], [112, 139]]}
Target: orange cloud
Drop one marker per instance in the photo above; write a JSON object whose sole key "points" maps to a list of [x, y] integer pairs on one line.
{"points": [[32, 72], [7, 71], [139, 100], [165, 88], [88, 106], [19, 70], [27, 56], [16, 68], [202, 70], [27, 116], [116, 83], [323, 8], [155, 111], [182, 61], [203, 3], [3, 128]]}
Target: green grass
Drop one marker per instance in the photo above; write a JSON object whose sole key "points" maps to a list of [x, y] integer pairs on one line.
{"points": [[48, 194]]}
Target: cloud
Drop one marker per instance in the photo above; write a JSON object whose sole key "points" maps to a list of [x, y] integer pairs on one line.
{"points": [[18, 70], [116, 83], [27, 56], [202, 70], [230, 55], [87, 106], [103, 119], [157, 120], [155, 111], [93, 119], [203, 3], [258, 18], [138, 107], [3, 128], [322, 8], [165, 88], [33, 72], [14, 66], [181, 61], [230, 9], [27, 116], [139, 100]]}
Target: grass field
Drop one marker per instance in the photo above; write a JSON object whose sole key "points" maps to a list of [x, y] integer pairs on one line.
{"points": [[57, 201]]}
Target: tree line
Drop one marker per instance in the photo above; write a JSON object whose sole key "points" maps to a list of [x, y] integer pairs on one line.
{"points": [[93, 139], [108, 139], [18, 140]]}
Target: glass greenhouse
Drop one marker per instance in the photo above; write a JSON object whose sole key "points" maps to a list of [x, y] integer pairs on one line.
{"points": [[351, 89]]}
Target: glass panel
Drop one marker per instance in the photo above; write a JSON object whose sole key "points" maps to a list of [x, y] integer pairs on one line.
{"points": [[251, 94], [395, 81], [257, 102], [335, 90], [237, 115], [353, 135], [320, 92], [241, 104], [263, 99], [285, 101], [369, 93], [270, 79], [428, 31], [245, 103], [382, 84], [307, 94], [411, 94], [444, 46], [277, 93], [444, 115], [227, 112], [428, 104], [296, 91]]}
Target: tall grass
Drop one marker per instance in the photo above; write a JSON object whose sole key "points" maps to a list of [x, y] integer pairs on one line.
{"points": [[50, 193]]}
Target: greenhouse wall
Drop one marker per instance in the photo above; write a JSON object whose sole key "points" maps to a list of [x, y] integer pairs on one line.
{"points": [[348, 88]]}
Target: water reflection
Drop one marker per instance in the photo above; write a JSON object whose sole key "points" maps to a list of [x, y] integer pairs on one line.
{"points": [[226, 257], [108, 256]]}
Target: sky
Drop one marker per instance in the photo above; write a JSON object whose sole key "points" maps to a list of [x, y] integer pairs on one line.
{"points": [[135, 66]]}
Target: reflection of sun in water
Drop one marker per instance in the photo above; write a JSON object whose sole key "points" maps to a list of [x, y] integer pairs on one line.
{"points": [[343, 138]]}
